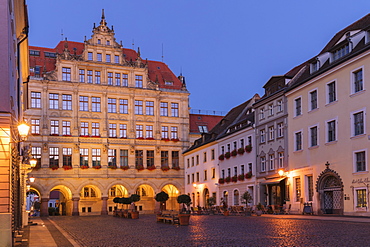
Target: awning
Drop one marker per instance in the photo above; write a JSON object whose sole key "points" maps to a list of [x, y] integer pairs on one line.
{"points": [[274, 180]]}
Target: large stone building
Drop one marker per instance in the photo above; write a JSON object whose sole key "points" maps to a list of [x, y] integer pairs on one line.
{"points": [[13, 73], [329, 126], [105, 123]]}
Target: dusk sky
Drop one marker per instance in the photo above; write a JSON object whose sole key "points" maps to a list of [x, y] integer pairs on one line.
{"points": [[227, 50]]}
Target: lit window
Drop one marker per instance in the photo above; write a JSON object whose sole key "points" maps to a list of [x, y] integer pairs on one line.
{"points": [[297, 189], [361, 198], [35, 126], [95, 129]]}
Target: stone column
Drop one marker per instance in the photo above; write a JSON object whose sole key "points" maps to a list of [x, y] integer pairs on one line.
{"points": [[75, 211], [104, 205], [44, 206]]}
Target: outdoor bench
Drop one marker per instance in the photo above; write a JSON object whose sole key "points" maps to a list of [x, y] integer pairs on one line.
{"points": [[168, 216]]}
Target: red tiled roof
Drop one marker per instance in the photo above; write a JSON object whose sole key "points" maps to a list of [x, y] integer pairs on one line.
{"points": [[203, 120], [158, 71]]}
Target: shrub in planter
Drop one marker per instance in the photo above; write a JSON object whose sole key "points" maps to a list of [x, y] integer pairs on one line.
{"points": [[248, 175], [227, 179], [234, 152], [248, 148], [184, 200], [234, 178], [165, 168], [125, 168], [151, 168], [162, 197], [241, 177], [97, 167], [176, 168], [241, 151], [139, 167], [221, 180], [227, 155], [67, 167], [84, 167], [221, 157]]}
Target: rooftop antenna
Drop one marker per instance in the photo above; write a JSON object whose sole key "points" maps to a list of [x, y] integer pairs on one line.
{"points": [[133, 44], [162, 53], [61, 33]]}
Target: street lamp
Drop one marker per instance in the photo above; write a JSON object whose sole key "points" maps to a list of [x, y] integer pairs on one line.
{"points": [[23, 130], [281, 172], [33, 163], [32, 179]]}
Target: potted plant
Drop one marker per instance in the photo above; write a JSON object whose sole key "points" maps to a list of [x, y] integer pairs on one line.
{"points": [[125, 168], [245, 199], [234, 152], [165, 168], [227, 155], [228, 179], [221, 180], [241, 151], [248, 174], [221, 157], [161, 197], [241, 177], [151, 168], [248, 148], [134, 213], [184, 215], [234, 178], [259, 209], [210, 202], [224, 207]]}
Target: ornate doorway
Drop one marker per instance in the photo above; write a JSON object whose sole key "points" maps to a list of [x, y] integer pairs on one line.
{"points": [[330, 188]]}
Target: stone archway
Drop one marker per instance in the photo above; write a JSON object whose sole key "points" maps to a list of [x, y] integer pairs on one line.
{"points": [[146, 204], [329, 186], [60, 201], [173, 193], [205, 197]]}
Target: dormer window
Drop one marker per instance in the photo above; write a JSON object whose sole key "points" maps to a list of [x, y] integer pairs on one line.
{"points": [[341, 52], [99, 41], [314, 66], [169, 83]]}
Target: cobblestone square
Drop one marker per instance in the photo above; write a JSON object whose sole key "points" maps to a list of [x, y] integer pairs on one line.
{"points": [[207, 230]]}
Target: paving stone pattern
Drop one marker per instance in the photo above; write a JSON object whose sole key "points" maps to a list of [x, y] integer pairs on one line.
{"points": [[210, 230]]}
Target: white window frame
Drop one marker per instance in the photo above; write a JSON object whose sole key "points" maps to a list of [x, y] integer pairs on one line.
{"points": [[262, 113], [310, 135], [355, 196], [295, 106], [279, 105], [327, 130], [310, 99], [271, 133], [271, 109], [353, 121], [280, 129], [263, 163], [327, 91], [262, 136], [353, 80], [295, 140], [355, 160]]}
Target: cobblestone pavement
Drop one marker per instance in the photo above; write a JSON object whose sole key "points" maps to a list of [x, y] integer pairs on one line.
{"points": [[214, 231]]}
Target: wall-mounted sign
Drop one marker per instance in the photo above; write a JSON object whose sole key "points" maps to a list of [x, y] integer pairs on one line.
{"points": [[361, 180]]}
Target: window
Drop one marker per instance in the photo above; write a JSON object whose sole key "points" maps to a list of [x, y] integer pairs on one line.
{"points": [[174, 109], [298, 106], [108, 42], [358, 123], [192, 161], [205, 157], [66, 128], [35, 100], [123, 106], [112, 158], [281, 159], [67, 157], [67, 102], [149, 131], [88, 192], [222, 150], [34, 53], [123, 131], [342, 51], [118, 79], [116, 59], [138, 107], [139, 81], [360, 159], [123, 157], [212, 154], [188, 162], [99, 57], [124, 80], [314, 66], [242, 171], [112, 105], [357, 81], [297, 189], [110, 78], [84, 129], [149, 108], [279, 105], [205, 175], [97, 77], [35, 126], [213, 173], [271, 109], [331, 131], [89, 76], [313, 100], [271, 133], [298, 141], [313, 136], [310, 188], [149, 158], [164, 132], [164, 109], [139, 131], [203, 128], [66, 74], [262, 136], [95, 104], [95, 129], [197, 174], [164, 158], [82, 75], [188, 178], [53, 101], [228, 147], [112, 130], [263, 163], [361, 200], [175, 159], [280, 130], [262, 113], [174, 133], [197, 160], [90, 56], [236, 197], [241, 143], [331, 92], [107, 58], [272, 161], [95, 157], [84, 103], [54, 127], [36, 154], [235, 145], [53, 157]]}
